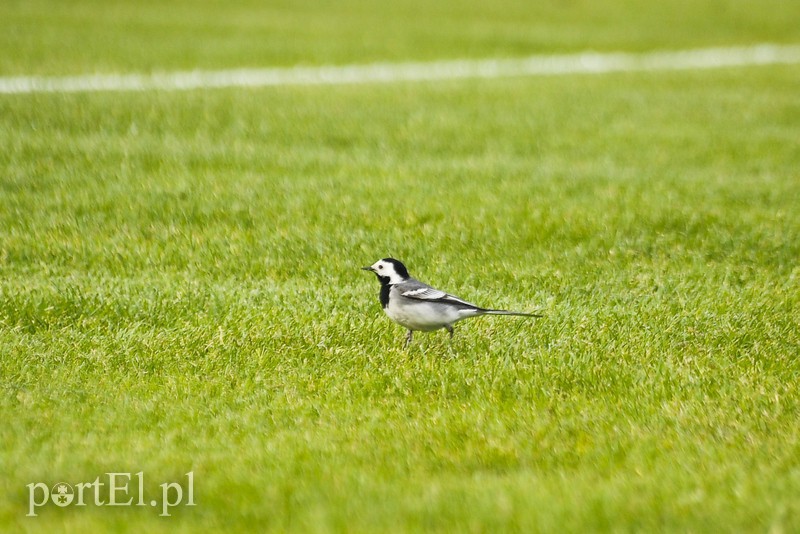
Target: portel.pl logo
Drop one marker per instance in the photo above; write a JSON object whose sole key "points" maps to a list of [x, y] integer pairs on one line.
{"points": [[115, 490]]}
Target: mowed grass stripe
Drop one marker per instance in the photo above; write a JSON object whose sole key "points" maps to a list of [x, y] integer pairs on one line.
{"points": [[540, 65]]}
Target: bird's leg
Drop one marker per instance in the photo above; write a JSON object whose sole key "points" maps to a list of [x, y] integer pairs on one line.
{"points": [[409, 336], [450, 329]]}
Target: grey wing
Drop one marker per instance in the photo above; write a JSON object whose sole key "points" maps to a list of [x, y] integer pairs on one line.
{"points": [[415, 289]]}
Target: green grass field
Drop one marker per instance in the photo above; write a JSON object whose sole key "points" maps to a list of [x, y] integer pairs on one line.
{"points": [[180, 286]]}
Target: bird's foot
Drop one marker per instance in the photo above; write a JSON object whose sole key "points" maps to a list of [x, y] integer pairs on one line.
{"points": [[409, 337]]}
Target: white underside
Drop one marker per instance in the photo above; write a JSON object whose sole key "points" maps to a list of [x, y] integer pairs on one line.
{"points": [[425, 316]]}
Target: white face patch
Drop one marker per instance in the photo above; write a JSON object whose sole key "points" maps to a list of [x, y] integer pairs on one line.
{"points": [[386, 269]]}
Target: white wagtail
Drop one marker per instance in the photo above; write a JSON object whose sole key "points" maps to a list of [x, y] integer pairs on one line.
{"points": [[418, 306]]}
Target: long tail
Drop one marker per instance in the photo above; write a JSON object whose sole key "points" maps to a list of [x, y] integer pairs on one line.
{"points": [[484, 311]]}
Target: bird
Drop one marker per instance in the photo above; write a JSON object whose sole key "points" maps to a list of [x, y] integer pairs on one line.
{"points": [[420, 307]]}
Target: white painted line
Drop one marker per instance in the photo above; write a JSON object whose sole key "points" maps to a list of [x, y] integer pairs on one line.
{"points": [[542, 65]]}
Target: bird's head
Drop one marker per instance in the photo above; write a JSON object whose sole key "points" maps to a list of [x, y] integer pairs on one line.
{"points": [[389, 271]]}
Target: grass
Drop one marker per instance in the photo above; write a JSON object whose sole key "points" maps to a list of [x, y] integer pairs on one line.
{"points": [[87, 36], [179, 291]]}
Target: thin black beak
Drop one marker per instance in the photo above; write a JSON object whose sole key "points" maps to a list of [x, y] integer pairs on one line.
{"points": [[366, 268]]}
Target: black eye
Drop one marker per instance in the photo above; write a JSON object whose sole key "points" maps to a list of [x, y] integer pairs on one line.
{"points": [[380, 266]]}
